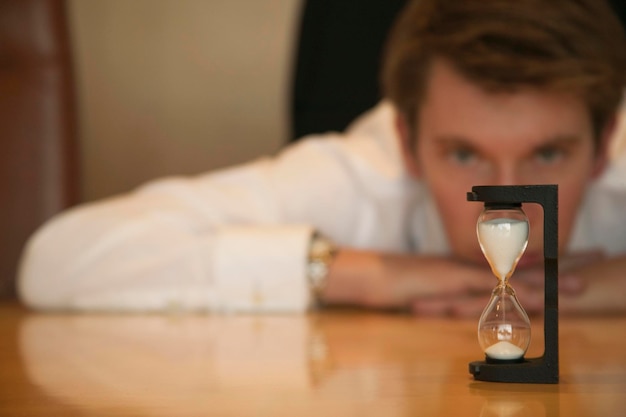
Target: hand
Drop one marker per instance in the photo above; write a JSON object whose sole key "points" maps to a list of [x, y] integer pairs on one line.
{"points": [[604, 288], [438, 286], [378, 280], [569, 281], [529, 286]]}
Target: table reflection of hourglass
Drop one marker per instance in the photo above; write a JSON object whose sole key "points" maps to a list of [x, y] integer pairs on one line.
{"points": [[504, 327]]}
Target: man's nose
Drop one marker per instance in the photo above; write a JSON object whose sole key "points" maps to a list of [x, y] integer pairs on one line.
{"points": [[506, 174]]}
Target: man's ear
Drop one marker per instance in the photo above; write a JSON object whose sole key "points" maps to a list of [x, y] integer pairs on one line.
{"points": [[407, 145], [603, 147]]}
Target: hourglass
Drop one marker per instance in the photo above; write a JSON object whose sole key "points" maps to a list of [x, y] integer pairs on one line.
{"points": [[504, 327]]}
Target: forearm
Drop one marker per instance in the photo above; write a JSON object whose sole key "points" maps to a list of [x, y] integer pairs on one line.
{"points": [[354, 278], [383, 280]]}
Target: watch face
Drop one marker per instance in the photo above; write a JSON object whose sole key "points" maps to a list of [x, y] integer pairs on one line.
{"points": [[317, 271], [321, 254]]}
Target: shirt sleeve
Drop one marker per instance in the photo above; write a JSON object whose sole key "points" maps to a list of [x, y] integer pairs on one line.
{"points": [[231, 240], [220, 242]]}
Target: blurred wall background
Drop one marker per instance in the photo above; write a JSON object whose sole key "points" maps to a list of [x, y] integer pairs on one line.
{"points": [[170, 87]]}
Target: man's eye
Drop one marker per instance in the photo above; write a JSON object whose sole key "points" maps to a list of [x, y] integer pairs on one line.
{"points": [[462, 156], [549, 155]]}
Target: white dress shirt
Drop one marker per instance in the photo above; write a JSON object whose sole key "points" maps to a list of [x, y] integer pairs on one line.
{"points": [[237, 239]]}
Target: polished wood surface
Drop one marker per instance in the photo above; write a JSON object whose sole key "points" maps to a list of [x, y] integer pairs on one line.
{"points": [[334, 363]]}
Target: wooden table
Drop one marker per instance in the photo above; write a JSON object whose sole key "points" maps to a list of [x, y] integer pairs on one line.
{"points": [[335, 363]]}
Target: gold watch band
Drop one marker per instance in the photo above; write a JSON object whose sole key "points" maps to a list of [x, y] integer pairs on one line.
{"points": [[322, 252]]}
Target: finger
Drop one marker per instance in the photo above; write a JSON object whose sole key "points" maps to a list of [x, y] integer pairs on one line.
{"points": [[531, 299], [469, 307], [478, 286], [580, 259], [467, 282], [571, 284], [431, 307], [533, 277], [568, 283]]}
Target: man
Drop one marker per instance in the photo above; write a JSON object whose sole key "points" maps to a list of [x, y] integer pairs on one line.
{"points": [[477, 92]]}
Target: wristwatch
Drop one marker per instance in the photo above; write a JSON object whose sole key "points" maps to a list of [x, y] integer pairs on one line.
{"points": [[322, 251]]}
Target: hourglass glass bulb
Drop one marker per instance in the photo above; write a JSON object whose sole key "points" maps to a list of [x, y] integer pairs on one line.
{"points": [[503, 236], [504, 328]]}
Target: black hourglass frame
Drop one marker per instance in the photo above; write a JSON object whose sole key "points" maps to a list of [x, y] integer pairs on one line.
{"points": [[544, 369]]}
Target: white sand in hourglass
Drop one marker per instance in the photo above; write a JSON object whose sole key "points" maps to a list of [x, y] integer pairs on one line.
{"points": [[503, 241], [504, 350]]}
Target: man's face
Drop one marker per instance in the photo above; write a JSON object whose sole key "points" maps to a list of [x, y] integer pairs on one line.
{"points": [[467, 136]]}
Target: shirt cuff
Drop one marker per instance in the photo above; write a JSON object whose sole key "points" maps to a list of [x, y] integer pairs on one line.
{"points": [[261, 269]]}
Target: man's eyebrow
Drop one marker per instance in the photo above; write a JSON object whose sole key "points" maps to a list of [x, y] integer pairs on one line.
{"points": [[455, 142], [562, 139], [566, 139], [562, 142]]}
